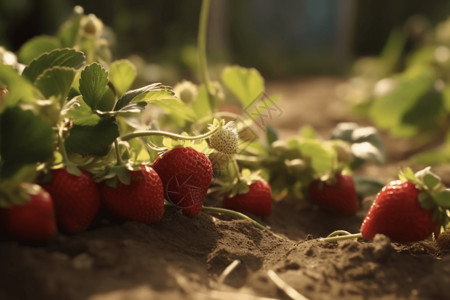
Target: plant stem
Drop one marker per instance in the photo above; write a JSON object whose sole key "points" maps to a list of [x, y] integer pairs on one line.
{"points": [[143, 133], [332, 238], [201, 44], [232, 213], [119, 160]]}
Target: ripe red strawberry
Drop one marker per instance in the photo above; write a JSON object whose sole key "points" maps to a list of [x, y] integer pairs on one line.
{"points": [[397, 213], [339, 196], [142, 200], [76, 198], [257, 200], [33, 221], [186, 175]]}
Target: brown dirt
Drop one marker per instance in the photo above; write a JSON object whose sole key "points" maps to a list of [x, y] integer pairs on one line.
{"points": [[184, 257]]}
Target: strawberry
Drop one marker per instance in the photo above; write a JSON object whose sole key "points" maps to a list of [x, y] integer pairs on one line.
{"points": [[226, 139], [33, 221], [397, 213], [338, 196], [76, 198], [257, 200], [141, 200], [186, 175]]}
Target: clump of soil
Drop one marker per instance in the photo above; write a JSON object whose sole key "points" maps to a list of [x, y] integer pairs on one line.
{"points": [[184, 257]]}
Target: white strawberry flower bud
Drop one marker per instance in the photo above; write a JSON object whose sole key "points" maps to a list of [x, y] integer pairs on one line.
{"points": [[226, 139], [186, 91]]}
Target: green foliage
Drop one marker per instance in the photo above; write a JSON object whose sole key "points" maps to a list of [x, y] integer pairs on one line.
{"points": [[57, 58], [35, 47], [93, 84], [405, 90], [94, 140], [122, 74], [18, 87], [56, 82], [246, 84], [25, 139]]}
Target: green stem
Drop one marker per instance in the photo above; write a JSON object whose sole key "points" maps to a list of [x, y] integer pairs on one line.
{"points": [[336, 236], [62, 147], [119, 160], [201, 44], [143, 133], [232, 213]]}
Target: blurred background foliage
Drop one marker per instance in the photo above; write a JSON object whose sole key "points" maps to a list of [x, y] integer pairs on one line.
{"points": [[280, 38]]}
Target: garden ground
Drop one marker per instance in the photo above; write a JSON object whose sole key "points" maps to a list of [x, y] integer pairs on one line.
{"points": [[184, 257]]}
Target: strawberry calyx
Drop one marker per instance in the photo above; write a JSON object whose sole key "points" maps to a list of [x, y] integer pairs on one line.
{"points": [[434, 196]]}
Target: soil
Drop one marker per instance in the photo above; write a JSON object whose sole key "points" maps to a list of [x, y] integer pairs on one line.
{"points": [[212, 256]]}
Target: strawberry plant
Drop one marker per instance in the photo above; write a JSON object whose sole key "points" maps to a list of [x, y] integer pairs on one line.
{"points": [[406, 92], [97, 136], [407, 210]]}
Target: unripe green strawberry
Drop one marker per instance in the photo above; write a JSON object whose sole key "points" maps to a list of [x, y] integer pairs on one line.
{"points": [[142, 200], [226, 139], [397, 213], [339, 196], [257, 200], [186, 175], [33, 221]]}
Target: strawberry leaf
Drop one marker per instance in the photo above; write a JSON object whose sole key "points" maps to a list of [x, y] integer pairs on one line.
{"points": [[442, 198], [19, 89], [93, 84], [81, 113], [25, 139], [36, 46], [246, 84], [122, 74], [323, 160], [426, 201], [56, 82], [366, 186], [429, 180], [388, 111], [95, 140], [201, 105], [56, 58]]}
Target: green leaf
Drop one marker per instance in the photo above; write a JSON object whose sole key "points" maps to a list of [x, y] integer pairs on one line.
{"points": [[425, 200], [429, 179], [56, 58], [68, 32], [388, 111], [175, 107], [443, 198], [151, 90], [246, 84], [81, 113], [36, 46], [159, 95], [95, 140], [19, 89], [56, 82], [407, 174], [323, 160], [366, 186], [122, 74], [367, 151], [93, 84], [200, 105], [426, 111], [25, 139], [271, 134]]}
